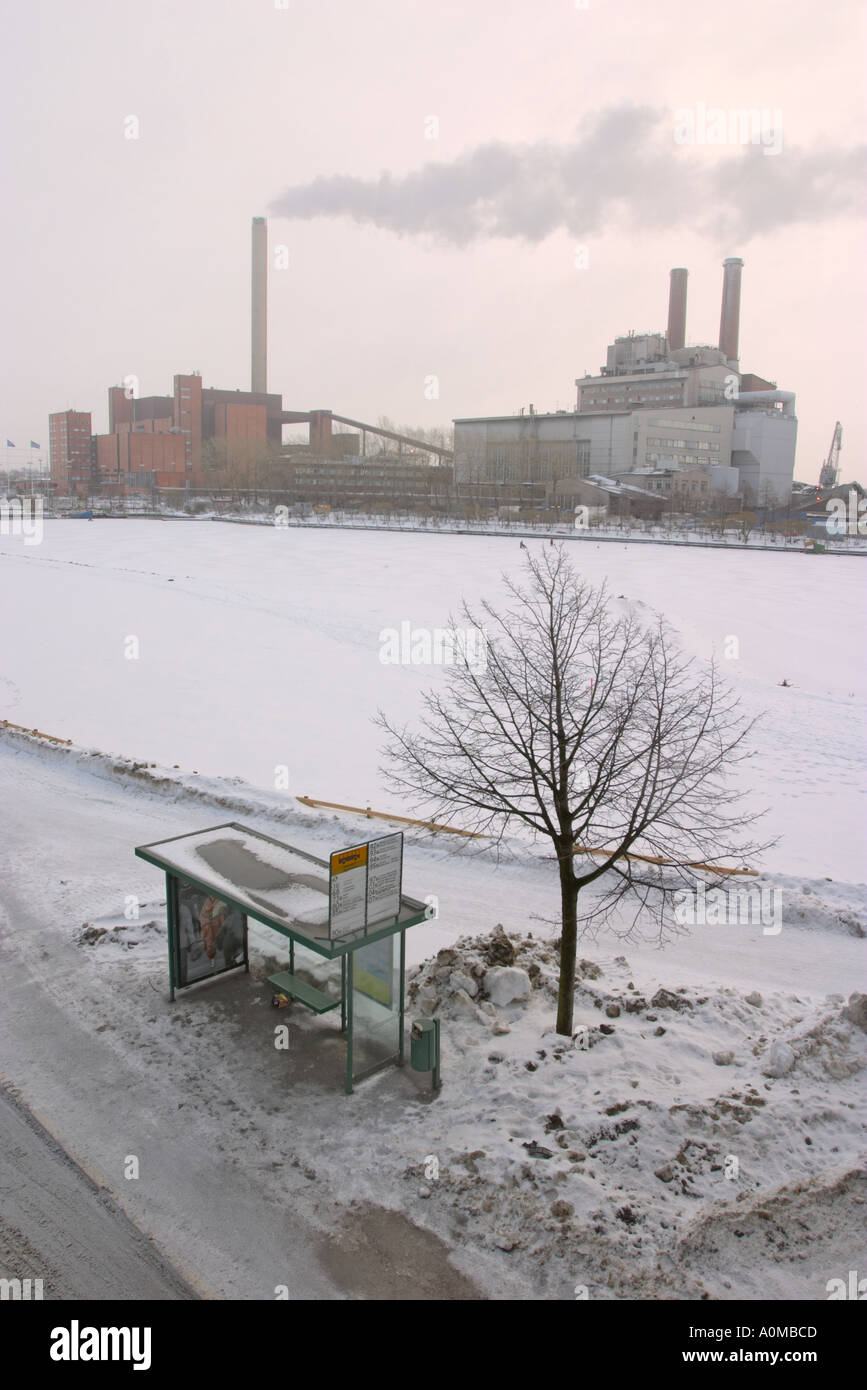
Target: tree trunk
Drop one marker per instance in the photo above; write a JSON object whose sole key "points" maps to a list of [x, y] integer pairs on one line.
{"points": [[568, 947]]}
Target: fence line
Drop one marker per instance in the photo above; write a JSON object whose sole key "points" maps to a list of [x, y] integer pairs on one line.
{"points": [[477, 835], [7, 724], [654, 859], [436, 826], [385, 815]]}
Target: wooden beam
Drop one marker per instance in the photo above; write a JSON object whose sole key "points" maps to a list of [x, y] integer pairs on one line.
{"points": [[386, 815], [37, 733], [654, 859]]}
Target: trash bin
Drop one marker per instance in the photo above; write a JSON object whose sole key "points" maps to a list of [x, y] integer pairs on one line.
{"points": [[425, 1047]]}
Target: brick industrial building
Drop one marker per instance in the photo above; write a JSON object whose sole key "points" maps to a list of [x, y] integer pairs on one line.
{"points": [[70, 448], [162, 442], [157, 441], [166, 442]]}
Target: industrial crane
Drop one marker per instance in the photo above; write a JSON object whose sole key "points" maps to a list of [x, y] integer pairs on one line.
{"points": [[830, 470]]}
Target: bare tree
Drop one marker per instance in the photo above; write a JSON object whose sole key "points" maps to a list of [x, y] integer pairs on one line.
{"points": [[240, 463], [588, 727], [746, 521]]}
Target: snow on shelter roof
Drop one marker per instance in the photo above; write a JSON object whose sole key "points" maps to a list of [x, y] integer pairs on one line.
{"points": [[267, 877], [274, 882]]}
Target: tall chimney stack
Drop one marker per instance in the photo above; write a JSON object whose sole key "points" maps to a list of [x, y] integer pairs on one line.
{"points": [[677, 309], [259, 308], [730, 315]]}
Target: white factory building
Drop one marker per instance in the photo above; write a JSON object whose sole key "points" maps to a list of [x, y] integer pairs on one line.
{"points": [[657, 406]]}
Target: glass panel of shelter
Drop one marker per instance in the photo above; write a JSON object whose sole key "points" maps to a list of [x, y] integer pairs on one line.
{"points": [[376, 1005]]}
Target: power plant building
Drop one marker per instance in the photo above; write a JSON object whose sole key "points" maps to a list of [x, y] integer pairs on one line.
{"points": [[158, 441], [547, 448], [661, 420], [656, 407], [166, 442]]}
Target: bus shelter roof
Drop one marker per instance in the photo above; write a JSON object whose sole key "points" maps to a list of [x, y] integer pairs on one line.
{"points": [[274, 883]]}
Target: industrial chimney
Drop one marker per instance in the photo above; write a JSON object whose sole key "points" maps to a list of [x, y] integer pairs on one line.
{"points": [[729, 323], [677, 309], [259, 308]]}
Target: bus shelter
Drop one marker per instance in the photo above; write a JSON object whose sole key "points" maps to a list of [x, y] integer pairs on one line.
{"points": [[350, 908]]}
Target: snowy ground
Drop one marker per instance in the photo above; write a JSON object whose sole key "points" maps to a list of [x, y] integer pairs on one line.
{"points": [[634, 1165], [259, 649]]}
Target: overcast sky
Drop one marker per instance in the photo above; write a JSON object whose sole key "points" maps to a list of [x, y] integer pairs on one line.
{"points": [[483, 193]]}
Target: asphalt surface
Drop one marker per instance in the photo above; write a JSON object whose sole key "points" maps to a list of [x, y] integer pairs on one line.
{"points": [[58, 1225]]}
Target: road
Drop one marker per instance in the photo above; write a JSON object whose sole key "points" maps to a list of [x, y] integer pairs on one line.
{"points": [[58, 1225]]}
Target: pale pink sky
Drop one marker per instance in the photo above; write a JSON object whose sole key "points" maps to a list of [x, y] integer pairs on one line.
{"points": [[132, 256]]}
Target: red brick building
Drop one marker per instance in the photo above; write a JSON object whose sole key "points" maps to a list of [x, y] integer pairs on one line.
{"points": [[156, 441], [156, 452], [70, 450]]}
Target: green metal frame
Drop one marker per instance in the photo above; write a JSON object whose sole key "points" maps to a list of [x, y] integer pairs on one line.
{"points": [[347, 998], [402, 995], [343, 950]]}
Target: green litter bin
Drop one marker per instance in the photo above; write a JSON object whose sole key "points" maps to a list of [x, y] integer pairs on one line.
{"points": [[424, 1044]]}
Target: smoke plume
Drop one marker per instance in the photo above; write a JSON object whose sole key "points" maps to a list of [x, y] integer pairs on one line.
{"points": [[625, 165]]}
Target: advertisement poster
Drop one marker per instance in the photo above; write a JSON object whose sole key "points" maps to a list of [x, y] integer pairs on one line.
{"points": [[374, 970], [212, 936]]}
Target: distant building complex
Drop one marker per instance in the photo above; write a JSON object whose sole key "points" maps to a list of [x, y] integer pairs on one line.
{"points": [[663, 425], [199, 437], [196, 437], [683, 422], [156, 441]]}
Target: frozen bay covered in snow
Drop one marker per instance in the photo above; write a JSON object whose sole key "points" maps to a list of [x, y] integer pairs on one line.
{"points": [[259, 649]]}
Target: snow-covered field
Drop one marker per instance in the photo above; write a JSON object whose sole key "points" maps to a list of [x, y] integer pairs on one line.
{"points": [[705, 1135], [259, 649]]}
